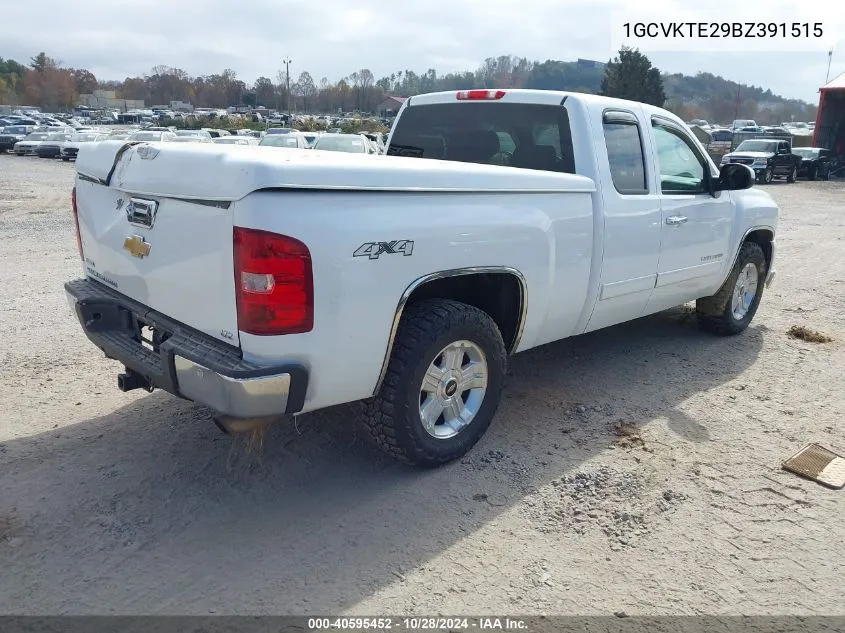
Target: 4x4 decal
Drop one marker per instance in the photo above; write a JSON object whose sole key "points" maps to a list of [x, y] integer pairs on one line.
{"points": [[374, 250]]}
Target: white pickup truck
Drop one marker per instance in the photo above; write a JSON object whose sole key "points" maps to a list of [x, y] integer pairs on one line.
{"points": [[264, 281]]}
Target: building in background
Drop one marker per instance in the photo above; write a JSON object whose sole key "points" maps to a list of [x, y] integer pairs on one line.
{"points": [[390, 106]]}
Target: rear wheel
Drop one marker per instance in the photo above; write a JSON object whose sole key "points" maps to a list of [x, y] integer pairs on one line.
{"points": [[793, 175], [443, 383], [731, 309]]}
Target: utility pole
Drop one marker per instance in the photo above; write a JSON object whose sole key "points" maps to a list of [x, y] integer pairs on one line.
{"points": [[829, 59], [287, 62]]}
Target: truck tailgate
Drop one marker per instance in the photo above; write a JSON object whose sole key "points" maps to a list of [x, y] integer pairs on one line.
{"points": [[174, 256]]}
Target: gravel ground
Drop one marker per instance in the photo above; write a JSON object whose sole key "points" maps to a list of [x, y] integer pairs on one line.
{"points": [[635, 469]]}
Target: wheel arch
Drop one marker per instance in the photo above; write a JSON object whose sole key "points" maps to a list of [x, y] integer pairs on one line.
{"points": [[764, 237], [507, 307]]}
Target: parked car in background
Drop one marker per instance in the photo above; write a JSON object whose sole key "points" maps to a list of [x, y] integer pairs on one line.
{"points": [[816, 162], [738, 124], [191, 139], [151, 136], [216, 133], [777, 130], [293, 141], [13, 134], [768, 159], [196, 135], [377, 139], [236, 140], [350, 143], [51, 147], [30, 143], [70, 148]]}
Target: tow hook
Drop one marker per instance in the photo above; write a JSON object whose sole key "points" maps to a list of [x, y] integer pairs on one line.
{"points": [[132, 380]]}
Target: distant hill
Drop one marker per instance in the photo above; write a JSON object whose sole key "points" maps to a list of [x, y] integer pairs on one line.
{"points": [[703, 96]]}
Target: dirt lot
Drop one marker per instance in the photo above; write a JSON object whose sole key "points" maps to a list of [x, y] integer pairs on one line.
{"points": [[635, 469]]}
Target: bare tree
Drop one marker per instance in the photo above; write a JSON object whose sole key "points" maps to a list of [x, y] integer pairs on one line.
{"points": [[366, 81]]}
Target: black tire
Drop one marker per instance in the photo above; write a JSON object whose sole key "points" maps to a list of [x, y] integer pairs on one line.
{"points": [[66, 160], [392, 417], [768, 175], [812, 173], [715, 314], [793, 175]]}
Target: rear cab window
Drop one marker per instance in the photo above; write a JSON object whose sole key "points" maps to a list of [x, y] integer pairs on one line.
{"points": [[528, 136]]}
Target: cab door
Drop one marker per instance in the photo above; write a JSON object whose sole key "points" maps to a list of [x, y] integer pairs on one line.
{"points": [[696, 225], [632, 218]]}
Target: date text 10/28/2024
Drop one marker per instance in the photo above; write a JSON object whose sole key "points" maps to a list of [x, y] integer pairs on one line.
{"points": [[417, 624]]}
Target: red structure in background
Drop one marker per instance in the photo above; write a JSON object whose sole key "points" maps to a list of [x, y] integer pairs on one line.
{"points": [[830, 120]]}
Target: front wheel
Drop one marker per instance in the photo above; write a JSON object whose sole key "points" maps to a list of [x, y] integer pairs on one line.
{"points": [[731, 309], [443, 383], [793, 175]]}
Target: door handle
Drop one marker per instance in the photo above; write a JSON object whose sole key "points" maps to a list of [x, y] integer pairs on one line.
{"points": [[675, 220]]}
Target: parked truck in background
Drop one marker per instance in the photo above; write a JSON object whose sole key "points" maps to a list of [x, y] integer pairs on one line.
{"points": [[261, 283], [769, 158]]}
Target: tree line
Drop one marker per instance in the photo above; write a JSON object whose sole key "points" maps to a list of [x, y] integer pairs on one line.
{"points": [[45, 82]]}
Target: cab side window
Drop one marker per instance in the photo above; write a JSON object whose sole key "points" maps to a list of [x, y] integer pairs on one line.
{"points": [[681, 168]]}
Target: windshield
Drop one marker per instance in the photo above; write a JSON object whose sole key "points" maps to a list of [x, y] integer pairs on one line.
{"points": [[195, 133], [37, 136], [15, 129], [57, 137], [350, 144], [280, 140], [231, 140], [280, 130], [806, 152], [757, 146]]}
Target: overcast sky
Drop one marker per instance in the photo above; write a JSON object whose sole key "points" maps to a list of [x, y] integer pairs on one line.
{"points": [[332, 38]]}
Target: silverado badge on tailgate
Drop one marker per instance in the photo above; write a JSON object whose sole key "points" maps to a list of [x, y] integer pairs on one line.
{"points": [[137, 246]]}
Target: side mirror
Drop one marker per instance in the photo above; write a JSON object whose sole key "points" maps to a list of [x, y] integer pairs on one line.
{"points": [[734, 177]]}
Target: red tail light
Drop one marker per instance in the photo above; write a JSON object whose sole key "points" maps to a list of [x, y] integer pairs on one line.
{"points": [[274, 286], [480, 95], [76, 221]]}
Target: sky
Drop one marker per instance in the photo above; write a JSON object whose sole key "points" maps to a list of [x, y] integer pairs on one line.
{"points": [[333, 38]]}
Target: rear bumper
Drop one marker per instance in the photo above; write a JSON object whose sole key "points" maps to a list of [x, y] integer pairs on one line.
{"points": [[184, 362]]}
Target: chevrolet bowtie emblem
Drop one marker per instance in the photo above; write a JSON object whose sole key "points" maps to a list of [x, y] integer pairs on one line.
{"points": [[136, 246]]}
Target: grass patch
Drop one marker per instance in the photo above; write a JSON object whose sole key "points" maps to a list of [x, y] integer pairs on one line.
{"points": [[806, 334]]}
